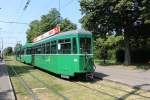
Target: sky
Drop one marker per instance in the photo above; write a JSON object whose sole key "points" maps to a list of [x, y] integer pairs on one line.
{"points": [[12, 11]]}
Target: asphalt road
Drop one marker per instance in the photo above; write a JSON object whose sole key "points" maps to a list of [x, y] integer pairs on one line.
{"points": [[133, 78], [6, 91]]}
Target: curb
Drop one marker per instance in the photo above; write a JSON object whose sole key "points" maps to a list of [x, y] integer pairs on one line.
{"points": [[14, 97]]}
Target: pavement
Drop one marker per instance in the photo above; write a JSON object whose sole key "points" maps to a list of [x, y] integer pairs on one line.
{"points": [[6, 90], [134, 78]]}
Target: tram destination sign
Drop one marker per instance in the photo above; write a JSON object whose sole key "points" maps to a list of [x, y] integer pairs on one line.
{"points": [[47, 34]]}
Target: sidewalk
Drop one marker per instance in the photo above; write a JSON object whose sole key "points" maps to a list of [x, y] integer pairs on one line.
{"points": [[133, 78], [6, 91]]}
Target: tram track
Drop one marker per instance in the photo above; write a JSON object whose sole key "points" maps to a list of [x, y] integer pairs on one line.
{"points": [[96, 90], [91, 89], [47, 86], [114, 88], [119, 89], [25, 85], [59, 94]]}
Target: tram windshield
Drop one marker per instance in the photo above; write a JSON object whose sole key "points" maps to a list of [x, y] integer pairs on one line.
{"points": [[85, 45]]}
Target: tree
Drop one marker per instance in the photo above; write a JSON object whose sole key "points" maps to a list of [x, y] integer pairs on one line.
{"points": [[115, 16], [18, 45], [8, 51], [67, 25], [33, 31], [48, 22]]}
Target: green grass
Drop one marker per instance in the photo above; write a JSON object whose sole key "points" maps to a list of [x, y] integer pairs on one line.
{"points": [[107, 62], [94, 90]]}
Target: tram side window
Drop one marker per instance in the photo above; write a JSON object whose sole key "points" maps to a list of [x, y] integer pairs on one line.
{"points": [[47, 48], [53, 47], [64, 46], [74, 46], [43, 49], [33, 50], [25, 51], [28, 51], [22, 52], [85, 45], [38, 49]]}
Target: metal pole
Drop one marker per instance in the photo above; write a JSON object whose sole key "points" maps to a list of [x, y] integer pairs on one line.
{"points": [[1, 45], [59, 11], [2, 49], [59, 15], [59, 7]]}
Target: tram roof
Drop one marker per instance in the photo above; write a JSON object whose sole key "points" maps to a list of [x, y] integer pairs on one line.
{"points": [[72, 32], [28, 45]]}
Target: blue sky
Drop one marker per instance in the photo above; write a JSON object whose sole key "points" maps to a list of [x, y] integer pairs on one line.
{"points": [[12, 10]]}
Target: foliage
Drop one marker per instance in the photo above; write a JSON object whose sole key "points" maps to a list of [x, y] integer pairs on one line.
{"points": [[67, 25], [111, 44], [105, 16], [8, 51], [124, 17], [48, 22], [18, 45]]}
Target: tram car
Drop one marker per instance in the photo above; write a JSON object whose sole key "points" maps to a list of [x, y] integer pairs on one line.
{"points": [[67, 53]]}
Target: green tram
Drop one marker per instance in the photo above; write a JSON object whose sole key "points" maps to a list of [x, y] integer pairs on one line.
{"points": [[67, 53]]}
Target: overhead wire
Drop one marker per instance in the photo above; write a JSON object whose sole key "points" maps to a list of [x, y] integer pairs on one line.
{"points": [[22, 12], [67, 4], [26, 5], [59, 8], [16, 18], [13, 22]]}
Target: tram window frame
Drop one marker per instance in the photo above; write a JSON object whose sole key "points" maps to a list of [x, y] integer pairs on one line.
{"points": [[33, 50], [22, 51], [25, 51], [74, 45], [38, 49], [64, 43], [47, 48], [87, 45], [43, 49], [53, 47], [28, 51]]}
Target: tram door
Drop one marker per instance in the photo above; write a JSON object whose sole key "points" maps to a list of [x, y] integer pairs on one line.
{"points": [[85, 49]]}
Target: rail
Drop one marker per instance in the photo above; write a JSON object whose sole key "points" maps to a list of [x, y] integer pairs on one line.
{"points": [[25, 85]]}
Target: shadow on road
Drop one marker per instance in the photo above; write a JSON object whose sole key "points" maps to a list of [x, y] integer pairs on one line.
{"points": [[2, 70]]}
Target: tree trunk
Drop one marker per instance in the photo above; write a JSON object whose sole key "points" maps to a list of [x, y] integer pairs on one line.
{"points": [[127, 59]]}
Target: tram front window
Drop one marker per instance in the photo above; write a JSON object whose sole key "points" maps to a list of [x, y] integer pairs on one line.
{"points": [[85, 45]]}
